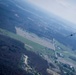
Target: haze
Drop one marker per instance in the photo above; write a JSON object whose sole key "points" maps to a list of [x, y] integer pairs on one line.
{"points": [[63, 8]]}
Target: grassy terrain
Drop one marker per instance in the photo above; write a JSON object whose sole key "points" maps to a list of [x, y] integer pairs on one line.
{"points": [[39, 49], [35, 46], [66, 52]]}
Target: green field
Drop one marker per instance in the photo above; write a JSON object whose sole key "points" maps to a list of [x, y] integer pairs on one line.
{"points": [[66, 52], [41, 50], [37, 48]]}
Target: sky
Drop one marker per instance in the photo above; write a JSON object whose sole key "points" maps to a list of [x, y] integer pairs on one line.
{"points": [[63, 8]]}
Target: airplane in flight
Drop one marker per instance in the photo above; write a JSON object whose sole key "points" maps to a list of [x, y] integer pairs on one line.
{"points": [[72, 34]]}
